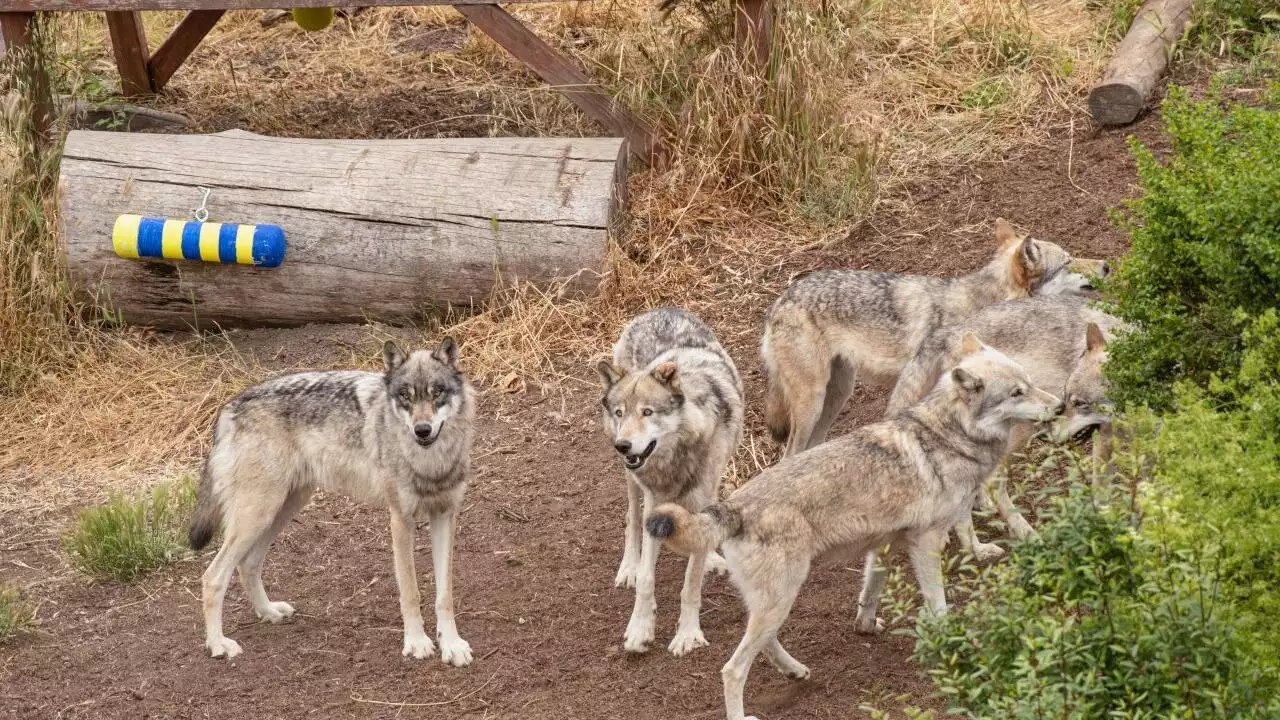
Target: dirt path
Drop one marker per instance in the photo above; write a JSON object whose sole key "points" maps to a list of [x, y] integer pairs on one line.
{"points": [[539, 543]]}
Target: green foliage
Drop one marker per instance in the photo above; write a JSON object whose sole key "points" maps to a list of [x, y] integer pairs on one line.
{"points": [[1095, 619], [1206, 249], [1232, 27], [15, 614], [129, 537]]}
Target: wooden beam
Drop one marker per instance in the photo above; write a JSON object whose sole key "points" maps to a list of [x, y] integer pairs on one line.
{"points": [[753, 28], [110, 5], [180, 44], [562, 74], [129, 41], [13, 29]]}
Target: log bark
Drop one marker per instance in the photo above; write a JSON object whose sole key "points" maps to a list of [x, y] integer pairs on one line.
{"points": [[1139, 62], [376, 229]]}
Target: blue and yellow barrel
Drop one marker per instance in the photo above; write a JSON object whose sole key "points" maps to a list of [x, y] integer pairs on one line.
{"points": [[135, 236]]}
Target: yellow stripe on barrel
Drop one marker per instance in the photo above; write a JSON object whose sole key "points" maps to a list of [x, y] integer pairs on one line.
{"points": [[209, 241], [244, 244], [171, 239], [124, 236]]}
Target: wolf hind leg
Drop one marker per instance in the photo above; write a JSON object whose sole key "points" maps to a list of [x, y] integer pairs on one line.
{"points": [[768, 608], [251, 565], [843, 375], [873, 576], [803, 374]]}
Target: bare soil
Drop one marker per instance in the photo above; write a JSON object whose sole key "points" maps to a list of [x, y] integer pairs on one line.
{"points": [[539, 541]]}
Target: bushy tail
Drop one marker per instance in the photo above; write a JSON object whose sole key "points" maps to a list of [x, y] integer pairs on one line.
{"points": [[777, 412], [207, 515], [688, 533]]}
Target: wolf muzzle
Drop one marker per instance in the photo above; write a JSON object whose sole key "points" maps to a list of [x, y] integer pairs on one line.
{"points": [[634, 461]]}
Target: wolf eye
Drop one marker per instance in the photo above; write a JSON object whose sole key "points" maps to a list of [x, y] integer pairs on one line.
{"points": [[646, 412], [405, 394], [1017, 392], [618, 412]]}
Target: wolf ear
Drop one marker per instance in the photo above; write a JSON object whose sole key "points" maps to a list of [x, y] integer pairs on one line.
{"points": [[1094, 339], [969, 343], [1005, 234], [1025, 264], [392, 356], [966, 380], [668, 373], [447, 352], [609, 375]]}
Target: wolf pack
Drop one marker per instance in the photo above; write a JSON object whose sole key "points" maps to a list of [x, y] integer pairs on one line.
{"points": [[978, 364]]}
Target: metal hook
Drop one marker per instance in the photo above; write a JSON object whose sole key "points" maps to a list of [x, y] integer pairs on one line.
{"points": [[202, 213]]}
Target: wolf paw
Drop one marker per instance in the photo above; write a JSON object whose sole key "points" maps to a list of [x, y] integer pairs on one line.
{"points": [[716, 564], [686, 641], [638, 635], [275, 612], [797, 672], [987, 551], [418, 646], [626, 577], [1020, 528], [455, 651], [868, 625], [223, 647]]}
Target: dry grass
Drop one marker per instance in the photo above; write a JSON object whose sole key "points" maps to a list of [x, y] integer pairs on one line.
{"points": [[859, 98]]}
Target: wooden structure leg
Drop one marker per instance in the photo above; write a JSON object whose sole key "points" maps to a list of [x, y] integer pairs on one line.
{"points": [[561, 73], [180, 44], [15, 32], [129, 42], [753, 28]]}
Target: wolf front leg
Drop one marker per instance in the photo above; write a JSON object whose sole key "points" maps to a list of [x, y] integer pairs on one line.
{"points": [[689, 635], [632, 539], [925, 550], [640, 628], [416, 642], [453, 649], [873, 574]]}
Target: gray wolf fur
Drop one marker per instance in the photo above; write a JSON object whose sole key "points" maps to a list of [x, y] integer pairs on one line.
{"points": [[904, 481], [1088, 406], [673, 409], [400, 439], [832, 327], [1046, 336]]}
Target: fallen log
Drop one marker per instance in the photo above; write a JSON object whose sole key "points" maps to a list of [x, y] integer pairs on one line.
{"points": [[1139, 62], [375, 229]]}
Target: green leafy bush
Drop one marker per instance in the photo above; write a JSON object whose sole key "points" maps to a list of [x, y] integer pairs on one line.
{"points": [[130, 536], [1096, 619], [1205, 259], [1232, 26]]}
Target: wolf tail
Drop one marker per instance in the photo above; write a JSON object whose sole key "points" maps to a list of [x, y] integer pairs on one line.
{"points": [[688, 533], [207, 515], [777, 411]]}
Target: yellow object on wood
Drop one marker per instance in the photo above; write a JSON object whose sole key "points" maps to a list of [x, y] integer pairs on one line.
{"points": [[313, 19]]}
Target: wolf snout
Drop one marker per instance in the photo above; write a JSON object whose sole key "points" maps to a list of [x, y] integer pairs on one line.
{"points": [[422, 432], [1059, 409], [622, 446]]}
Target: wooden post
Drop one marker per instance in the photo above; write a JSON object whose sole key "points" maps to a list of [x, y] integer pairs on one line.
{"points": [[15, 32], [753, 29], [180, 44], [129, 41], [559, 72], [1139, 62]]}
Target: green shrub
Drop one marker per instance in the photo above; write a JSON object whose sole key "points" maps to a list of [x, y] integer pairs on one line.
{"points": [[1232, 26], [15, 614], [1205, 259], [130, 536], [1095, 619]]}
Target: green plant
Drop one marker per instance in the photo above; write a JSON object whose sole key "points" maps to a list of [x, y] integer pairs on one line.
{"points": [[1096, 619], [15, 614], [130, 536], [1206, 249], [1231, 27]]}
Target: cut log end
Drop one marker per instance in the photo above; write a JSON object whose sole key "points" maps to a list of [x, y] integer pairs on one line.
{"points": [[1115, 103]]}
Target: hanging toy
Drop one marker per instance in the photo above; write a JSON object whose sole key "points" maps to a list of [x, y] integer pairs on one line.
{"points": [[135, 236], [313, 19]]}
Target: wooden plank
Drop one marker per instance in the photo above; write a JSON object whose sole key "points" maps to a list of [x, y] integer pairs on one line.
{"points": [[107, 5], [13, 29], [378, 229], [561, 73], [129, 41], [180, 44], [753, 28], [1139, 62]]}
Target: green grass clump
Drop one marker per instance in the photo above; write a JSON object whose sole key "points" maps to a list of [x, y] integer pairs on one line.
{"points": [[131, 536], [15, 614]]}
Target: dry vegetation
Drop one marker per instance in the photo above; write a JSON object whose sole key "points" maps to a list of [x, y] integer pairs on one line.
{"points": [[860, 98]]}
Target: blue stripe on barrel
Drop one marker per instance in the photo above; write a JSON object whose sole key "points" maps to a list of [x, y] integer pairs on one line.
{"points": [[191, 241], [227, 243], [268, 245], [150, 234]]}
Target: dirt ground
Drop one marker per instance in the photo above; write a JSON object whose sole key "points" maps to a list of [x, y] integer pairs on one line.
{"points": [[539, 540]]}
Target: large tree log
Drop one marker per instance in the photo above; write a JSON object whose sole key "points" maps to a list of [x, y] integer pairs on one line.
{"points": [[1139, 62], [382, 229]]}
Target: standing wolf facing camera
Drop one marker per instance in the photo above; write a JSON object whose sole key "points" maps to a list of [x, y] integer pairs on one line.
{"points": [[673, 408], [832, 327], [401, 439], [904, 481]]}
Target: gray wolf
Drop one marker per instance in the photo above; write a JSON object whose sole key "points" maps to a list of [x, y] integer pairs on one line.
{"points": [[903, 481], [673, 409], [1046, 336], [400, 439], [832, 327], [1089, 409]]}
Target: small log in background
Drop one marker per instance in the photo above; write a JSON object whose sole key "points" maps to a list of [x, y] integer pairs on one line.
{"points": [[376, 229], [1139, 62]]}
